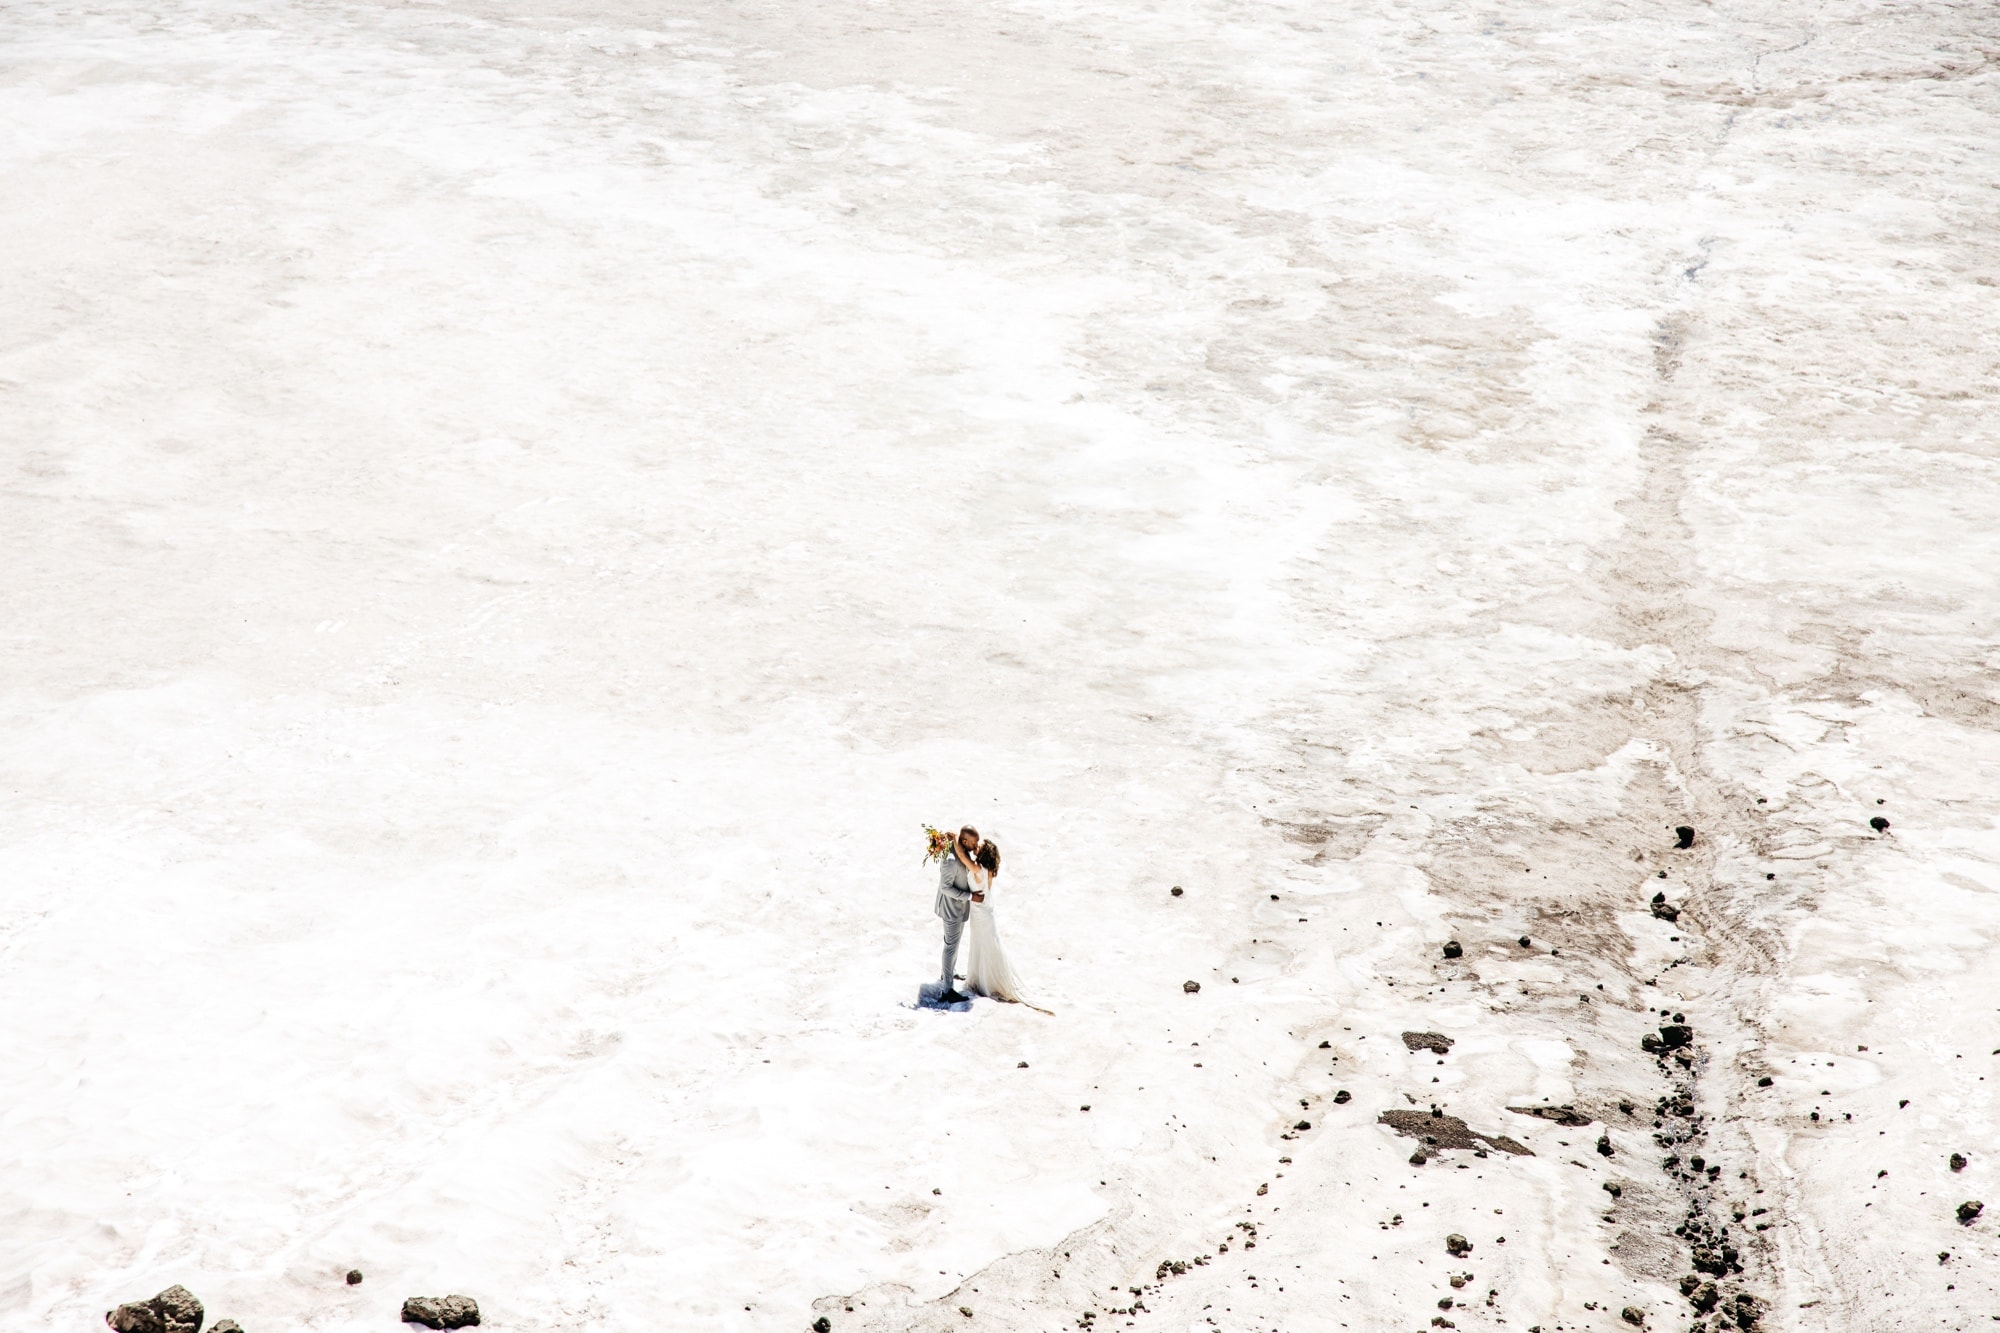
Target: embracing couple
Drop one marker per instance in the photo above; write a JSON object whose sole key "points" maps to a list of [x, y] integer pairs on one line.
{"points": [[965, 897]]}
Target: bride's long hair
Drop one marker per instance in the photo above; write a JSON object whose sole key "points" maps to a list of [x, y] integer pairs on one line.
{"points": [[989, 859]]}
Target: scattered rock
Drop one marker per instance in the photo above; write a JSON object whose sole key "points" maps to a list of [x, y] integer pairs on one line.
{"points": [[1176, 890], [1326, 1046], [1562, 1115], [1764, 1082], [1665, 910], [174, 1310], [1445, 1302], [1453, 949], [1457, 1246], [1958, 1161], [1436, 1129], [1303, 1124], [1342, 1097], [441, 1311], [1969, 1211], [353, 1277], [1191, 987], [822, 1325], [1434, 1042], [1604, 1148], [1613, 1188], [1879, 824], [965, 1310], [1673, 1036], [1632, 1314], [225, 1326], [1524, 942], [1022, 1064], [1683, 838], [1419, 1157]]}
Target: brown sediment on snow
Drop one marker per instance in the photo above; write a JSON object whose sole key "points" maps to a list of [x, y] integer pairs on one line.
{"points": [[1448, 1131]]}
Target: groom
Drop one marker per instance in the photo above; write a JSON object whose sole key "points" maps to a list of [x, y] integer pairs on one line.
{"points": [[954, 903]]}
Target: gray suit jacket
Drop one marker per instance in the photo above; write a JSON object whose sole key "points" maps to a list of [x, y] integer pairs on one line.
{"points": [[954, 900]]}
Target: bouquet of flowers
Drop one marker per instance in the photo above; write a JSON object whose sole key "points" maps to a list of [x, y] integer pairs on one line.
{"points": [[937, 844]]}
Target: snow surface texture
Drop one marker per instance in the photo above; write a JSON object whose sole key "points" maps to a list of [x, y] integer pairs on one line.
{"points": [[514, 514]]}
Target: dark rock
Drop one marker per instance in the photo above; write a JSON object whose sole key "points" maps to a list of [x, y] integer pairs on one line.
{"points": [[174, 1310], [1562, 1115], [822, 1325], [1326, 1046], [1673, 1036], [1419, 1157], [1958, 1161], [441, 1311], [1879, 824], [1684, 836], [1666, 911], [1632, 1314], [1453, 949], [1445, 1302], [1613, 1188], [1604, 1148], [1175, 890], [1342, 1097], [1457, 1246], [1764, 1082], [1524, 942], [1969, 1211], [1303, 1124], [353, 1277], [1702, 1295], [1191, 987], [225, 1326], [1434, 1042]]}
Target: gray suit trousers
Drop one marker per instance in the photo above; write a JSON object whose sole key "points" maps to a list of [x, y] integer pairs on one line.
{"points": [[952, 930]]}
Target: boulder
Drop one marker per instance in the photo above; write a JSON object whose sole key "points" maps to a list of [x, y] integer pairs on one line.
{"points": [[174, 1310], [441, 1311], [1191, 987], [1457, 1246], [1453, 949], [1969, 1211], [1684, 836]]}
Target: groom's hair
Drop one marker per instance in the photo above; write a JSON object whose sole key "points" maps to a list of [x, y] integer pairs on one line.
{"points": [[969, 832]]}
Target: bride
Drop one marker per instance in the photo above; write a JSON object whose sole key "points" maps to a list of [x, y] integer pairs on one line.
{"points": [[987, 971]]}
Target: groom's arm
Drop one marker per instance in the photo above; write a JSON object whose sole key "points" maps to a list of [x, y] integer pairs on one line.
{"points": [[951, 880]]}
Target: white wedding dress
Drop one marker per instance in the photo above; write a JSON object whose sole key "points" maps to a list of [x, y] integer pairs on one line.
{"points": [[987, 971]]}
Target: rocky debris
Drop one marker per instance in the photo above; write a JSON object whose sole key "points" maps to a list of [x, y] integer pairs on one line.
{"points": [[1632, 1314], [1969, 1211], [1672, 1037], [1958, 1161], [1326, 1046], [1562, 1115], [1434, 1042], [1665, 910], [965, 1310], [822, 1325], [441, 1311], [1457, 1246], [1701, 1295], [1437, 1131], [1453, 949], [1342, 1097], [1524, 942], [1879, 824], [353, 1277], [1175, 890], [1683, 836], [1604, 1148], [1191, 987], [174, 1310], [225, 1326], [1764, 1082], [1303, 1125], [1748, 1311]]}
